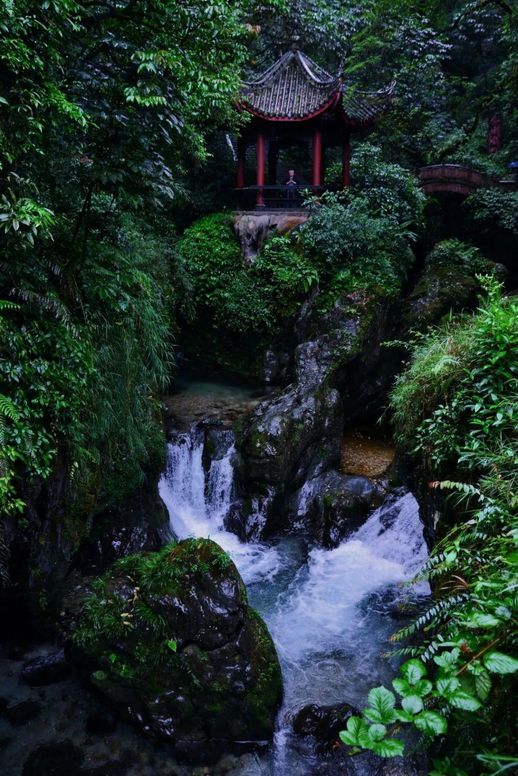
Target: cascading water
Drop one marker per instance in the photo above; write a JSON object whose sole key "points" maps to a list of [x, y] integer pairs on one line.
{"points": [[327, 610], [199, 500]]}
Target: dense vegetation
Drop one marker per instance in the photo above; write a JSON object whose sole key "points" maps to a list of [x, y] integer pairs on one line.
{"points": [[455, 409], [355, 240], [117, 126], [101, 106]]}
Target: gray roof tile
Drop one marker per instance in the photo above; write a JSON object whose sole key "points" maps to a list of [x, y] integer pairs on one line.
{"points": [[295, 88]]}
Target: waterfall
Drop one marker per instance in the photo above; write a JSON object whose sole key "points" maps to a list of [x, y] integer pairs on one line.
{"points": [[329, 611], [198, 500]]}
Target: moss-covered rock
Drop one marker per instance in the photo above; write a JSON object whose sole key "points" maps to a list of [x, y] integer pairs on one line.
{"points": [[170, 640], [439, 291], [341, 373], [448, 284]]}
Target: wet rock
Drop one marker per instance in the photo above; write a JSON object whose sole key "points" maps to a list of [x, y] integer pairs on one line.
{"points": [[341, 762], [341, 373], [252, 232], [276, 365], [439, 290], [45, 669], [287, 439], [59, 759], [321, 726], [5, 741], [139, 524], [333, 505], [198, 667], [101, 722], [253, 229], [21, 713], [322, 722], [114, 768]]}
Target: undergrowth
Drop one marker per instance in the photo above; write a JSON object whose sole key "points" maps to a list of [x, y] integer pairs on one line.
{"points": [[455, 410]]}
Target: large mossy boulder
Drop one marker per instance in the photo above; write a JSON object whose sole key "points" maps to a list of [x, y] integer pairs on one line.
{"points": [[449, 283], [168, 638], [439, 291]]}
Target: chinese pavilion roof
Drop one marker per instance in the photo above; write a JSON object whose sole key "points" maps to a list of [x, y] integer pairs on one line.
{"points": [[295, 88]]}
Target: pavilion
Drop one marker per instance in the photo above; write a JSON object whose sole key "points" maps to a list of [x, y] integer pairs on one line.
{"points": [[296, 102]]}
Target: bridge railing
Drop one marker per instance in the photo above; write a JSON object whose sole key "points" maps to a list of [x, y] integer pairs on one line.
{"points": [[458, 178]]}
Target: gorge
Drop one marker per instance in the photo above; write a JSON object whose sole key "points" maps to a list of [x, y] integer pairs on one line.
{"points": [[258, 387]]}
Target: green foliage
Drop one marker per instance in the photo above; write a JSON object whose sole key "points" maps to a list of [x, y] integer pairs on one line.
{"points": [[390, 190], [230, 303], [82, 380], [455, 409], [455, 253], [360, 239], [102, 107], [493, 208], [458, 398], [370, 223], [109, 615], [424, 702]]}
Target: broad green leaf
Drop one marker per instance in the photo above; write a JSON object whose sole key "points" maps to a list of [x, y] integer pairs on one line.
{"points": [[381, 706], [404, 716], [389, 747], [354, 735], [412, 703], [377, 732], [172, 645], [431, 723], [402, 687], [422, 687], [498, 663], [446, 685], [412, 671], [465, 701], [447, 660], [483, 685], [480, 620]]}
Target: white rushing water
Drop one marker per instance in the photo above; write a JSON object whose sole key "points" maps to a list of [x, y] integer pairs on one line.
{"points": [[329, 611], [198, 502]]}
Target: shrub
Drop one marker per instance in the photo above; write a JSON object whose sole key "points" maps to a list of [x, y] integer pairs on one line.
{"points": [[494, 208], [455, 253], [82, 373], [352, 248], [456, 407], [229, 306], [391, 191]]}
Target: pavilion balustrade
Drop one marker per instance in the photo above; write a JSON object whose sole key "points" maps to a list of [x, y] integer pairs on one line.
{"points": [[277, 197]]}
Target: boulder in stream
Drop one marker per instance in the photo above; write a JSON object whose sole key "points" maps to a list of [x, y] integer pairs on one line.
{"points": [[169, 639], [332, 506]]}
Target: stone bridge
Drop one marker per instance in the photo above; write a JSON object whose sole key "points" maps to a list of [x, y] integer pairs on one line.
{"points": [[459, 179]]}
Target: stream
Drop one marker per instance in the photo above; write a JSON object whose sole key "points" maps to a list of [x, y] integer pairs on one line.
{"points": [[330, 612]]}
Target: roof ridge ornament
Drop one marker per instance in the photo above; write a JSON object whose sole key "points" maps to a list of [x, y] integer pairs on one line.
{"points": [[295, 42]]}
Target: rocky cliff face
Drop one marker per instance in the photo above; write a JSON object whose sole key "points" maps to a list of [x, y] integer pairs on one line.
{"points": [[293, 439]]}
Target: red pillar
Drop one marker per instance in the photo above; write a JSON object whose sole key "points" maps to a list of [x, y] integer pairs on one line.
{"points": [[317, 157], [346, 162], [260, 169], [241, 153]]}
